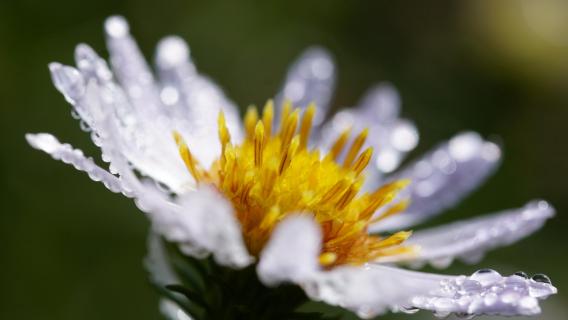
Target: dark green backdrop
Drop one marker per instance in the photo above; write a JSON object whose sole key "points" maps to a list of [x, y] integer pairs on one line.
{"points": [[71, 250]]}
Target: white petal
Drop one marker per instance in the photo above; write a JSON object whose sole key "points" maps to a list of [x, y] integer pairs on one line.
{"points": [[311, 78], [373, 290], [145, 141], [201, 222], [391, 136], [443, 177], [292, 253], [470, 239], [194, 100], [75, 157], [486, 292], [205, 221], [130, 67]]}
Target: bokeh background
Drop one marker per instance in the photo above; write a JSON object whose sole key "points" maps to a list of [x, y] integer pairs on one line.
{"points": [[71, 250]]}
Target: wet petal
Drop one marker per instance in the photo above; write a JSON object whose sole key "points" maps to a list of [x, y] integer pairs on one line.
{"points": [[391, 136], [145, 143], [373, 290], [206, 221], [193, 100], [75, 157], [444, 176], [469, 240], [311, 78], [130, 67], [292, 253]]}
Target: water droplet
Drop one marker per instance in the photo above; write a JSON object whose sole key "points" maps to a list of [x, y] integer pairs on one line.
{"points": [[68, 81], [162, 187], [116, 27], [465, 146], [441, 314], [444, 304], [409, 310], [84, 126], [521, 274], [539, 277], [172, 51], [486, 276], [471, 285], [75, 115]]}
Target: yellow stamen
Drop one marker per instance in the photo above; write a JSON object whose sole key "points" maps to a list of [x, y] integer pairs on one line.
{"points": [[327, 258], [289, 129], [338, 145], [306, 125], [251, 117], [258, 143], [286, 109], [363, 160], [187, 157], [224, 135], [394, 239], [270, 176], [268, 116], [288, 154], [355, 147], [397, 208]]}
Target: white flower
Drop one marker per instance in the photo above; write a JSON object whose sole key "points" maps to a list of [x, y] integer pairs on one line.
{"points": [[251, 194]]}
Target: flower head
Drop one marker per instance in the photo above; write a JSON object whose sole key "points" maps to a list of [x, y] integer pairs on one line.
{"points": [[270, 176], [285, 195]]}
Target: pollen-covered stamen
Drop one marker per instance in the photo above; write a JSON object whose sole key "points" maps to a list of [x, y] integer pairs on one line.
{"points": [[288, 154], [289, 129], [349, 194], [224, 135], [187, 157], [268, 117], [286, 109], [258, 143], [363, 160], [392, 240], [306, 125], [327, 258], [339, 143], [397, 208], [270, 176], [355, 147], [251, 117]]}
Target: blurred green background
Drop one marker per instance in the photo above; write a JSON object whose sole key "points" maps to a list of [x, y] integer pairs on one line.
{"points": [[72, 250]]}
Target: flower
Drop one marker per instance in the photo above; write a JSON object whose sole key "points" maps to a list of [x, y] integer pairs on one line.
{"points": [[292, 202]]}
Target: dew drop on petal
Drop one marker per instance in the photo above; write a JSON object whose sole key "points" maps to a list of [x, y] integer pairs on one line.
{"points": [[169, 96], [116, 26], [521, 274], [465, 146], [539, 277], [486, 276], [404, 137]]}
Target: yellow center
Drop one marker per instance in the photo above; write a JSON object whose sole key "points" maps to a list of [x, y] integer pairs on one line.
{"points": [[273, 174]]}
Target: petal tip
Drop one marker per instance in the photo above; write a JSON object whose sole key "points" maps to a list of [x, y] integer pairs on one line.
{"points": [[42, 141], [171, 51], [116, 26]]}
